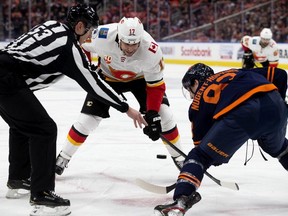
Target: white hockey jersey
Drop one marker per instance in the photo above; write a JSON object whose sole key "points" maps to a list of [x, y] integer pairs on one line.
{"points": [[270, 52], [147, 61]]}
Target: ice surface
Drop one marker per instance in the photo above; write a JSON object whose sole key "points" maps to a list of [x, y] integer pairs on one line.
{"points": [[100, 177]]}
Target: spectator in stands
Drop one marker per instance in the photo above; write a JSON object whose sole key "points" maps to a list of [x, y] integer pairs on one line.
{"points": [[176, 16]]}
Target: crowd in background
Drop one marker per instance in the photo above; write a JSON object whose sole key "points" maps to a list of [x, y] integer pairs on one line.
{"points": [[163, 18]]}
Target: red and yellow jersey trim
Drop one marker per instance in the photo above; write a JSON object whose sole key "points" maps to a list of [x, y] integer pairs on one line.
{"points": [[273, 64], [75, 137], [152, 85], [270, 74], [171, 135]]}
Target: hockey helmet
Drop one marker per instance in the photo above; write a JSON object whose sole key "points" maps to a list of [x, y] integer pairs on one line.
{"points": [[266, 34], [130, 30], [198, 72], [83, 13]]}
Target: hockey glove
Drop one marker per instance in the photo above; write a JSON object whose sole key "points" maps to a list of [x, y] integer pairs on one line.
{"points": [[248, 60], [153, 129]]}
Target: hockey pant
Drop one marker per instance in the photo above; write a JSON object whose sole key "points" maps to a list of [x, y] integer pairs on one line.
{"points": [[32, 139]]}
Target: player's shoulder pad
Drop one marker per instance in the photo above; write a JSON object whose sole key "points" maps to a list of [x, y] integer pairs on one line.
{"points": [[103, 34], [273, 44], [255, 40], [245, 40], [103, 31], [245, 37], [150, 45]]}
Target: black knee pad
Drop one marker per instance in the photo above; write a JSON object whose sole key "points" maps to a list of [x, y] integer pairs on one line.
{"points": [[165, 100]]}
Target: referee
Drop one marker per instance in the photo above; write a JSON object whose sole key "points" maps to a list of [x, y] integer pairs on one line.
{"points": [[35, 61]]}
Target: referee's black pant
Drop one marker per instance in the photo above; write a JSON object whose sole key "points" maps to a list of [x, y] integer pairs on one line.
{"points": [[32, 134]]}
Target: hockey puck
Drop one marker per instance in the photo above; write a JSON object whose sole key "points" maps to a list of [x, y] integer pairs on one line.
{"points": [[161, 156]]}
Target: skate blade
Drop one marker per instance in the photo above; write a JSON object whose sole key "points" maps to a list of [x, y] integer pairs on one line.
{"points": [[40, 210], [170, 213], [173, 213], [157, 213], [17, 193]]}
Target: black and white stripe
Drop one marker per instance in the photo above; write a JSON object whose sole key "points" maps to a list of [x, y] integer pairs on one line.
{"points": [[50, 50]]}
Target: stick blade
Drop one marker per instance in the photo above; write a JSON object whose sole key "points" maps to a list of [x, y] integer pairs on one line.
{"points": [[230, 185], [154, 188]]}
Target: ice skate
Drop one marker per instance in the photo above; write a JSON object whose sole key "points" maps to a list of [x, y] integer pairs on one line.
{"points": [[47, 203], [178, 161], [179, 207], [18, 188], [61, 163]]}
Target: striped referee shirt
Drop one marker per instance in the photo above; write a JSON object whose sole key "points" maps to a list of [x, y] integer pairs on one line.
{"points": [[49, 51]]}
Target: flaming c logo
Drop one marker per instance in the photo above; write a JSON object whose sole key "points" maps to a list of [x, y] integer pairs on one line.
{"points": [[122, 74]]}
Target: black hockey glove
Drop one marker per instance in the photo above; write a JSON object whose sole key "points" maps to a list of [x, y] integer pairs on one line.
{"points": [[248, 60], [153, 129]]}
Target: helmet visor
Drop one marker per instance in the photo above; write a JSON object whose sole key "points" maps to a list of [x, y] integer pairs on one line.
{"points": [[187, 93]]}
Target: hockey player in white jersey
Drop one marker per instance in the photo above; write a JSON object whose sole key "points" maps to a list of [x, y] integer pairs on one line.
{"points": [[129, 60], [262, 49]]}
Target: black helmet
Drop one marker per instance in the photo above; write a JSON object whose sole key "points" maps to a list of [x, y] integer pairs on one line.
{"points": [[197, 71], [83, 13]]}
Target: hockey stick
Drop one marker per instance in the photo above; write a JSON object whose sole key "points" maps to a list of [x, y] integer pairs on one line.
{"points": [[154, 188], [231, 185], [163, 190]]}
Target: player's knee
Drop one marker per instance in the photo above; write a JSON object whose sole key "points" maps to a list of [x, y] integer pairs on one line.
{"points": [[200, 157], [167, 118], [87, 123]]}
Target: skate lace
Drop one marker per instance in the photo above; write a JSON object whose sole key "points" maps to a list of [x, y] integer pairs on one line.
{"points": [[54, 195]]}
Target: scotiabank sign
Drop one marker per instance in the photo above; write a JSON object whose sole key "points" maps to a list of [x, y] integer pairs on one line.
{"points": [[229, 53], [188, 50], [195, 51]]}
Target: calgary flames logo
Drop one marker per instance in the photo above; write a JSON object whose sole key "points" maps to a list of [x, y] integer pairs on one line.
{"points": [[122, 74]]}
